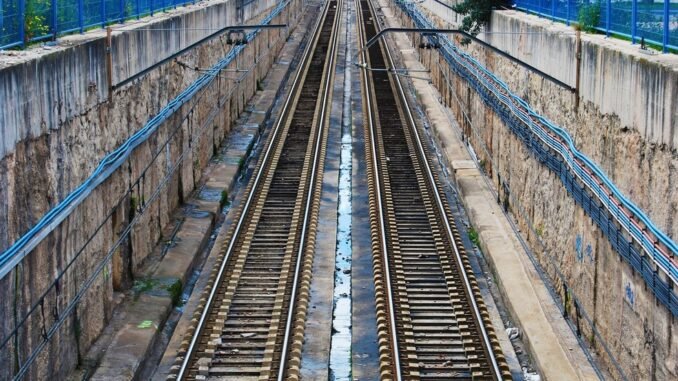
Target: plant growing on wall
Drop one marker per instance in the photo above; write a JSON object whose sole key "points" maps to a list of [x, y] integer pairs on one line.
{"points": [[476, 13], [589, 16], [35, 24]]}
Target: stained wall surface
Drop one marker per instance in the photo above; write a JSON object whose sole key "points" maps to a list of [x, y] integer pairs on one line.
{"points": [[626, 122], [58, 120]]}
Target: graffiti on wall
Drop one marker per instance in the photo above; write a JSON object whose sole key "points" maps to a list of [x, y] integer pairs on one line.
{"points": [[584, 253]]}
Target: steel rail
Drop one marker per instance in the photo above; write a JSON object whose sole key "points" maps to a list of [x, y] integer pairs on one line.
{"points": [[382, 223], [248, 202], [329, 73], [439, 203]]}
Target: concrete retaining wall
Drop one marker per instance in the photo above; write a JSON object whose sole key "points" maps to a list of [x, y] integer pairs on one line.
{"points": [[626, 123], [56, 124]]}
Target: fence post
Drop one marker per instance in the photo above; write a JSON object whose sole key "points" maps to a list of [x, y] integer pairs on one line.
{"points": [[634, 20], [608, 13], [150, 5], [567, 17], [53, 19], [553, 10], [103, 13], [122, 16], [81, 15], [22, 21], [138, 10], [665, 40]]}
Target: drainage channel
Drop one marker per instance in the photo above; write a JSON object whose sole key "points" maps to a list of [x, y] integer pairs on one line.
{"points": [[340, 350]]}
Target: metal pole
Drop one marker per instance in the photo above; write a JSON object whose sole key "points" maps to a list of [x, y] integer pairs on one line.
{"points": [[53, 21], [634, 20], [553, 10], [22, 21], [376, 37], [81, 15], [103, 13], [109, 63], [665, 40], [578, 71], [567, 17], [608, 13]]}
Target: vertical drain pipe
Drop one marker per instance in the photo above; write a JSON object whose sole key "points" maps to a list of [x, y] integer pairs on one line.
{"points": [[577, 70], [109, 64]]}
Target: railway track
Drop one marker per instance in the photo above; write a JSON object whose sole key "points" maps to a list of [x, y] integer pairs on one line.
{"points": [[432, 321], [250, 319]]}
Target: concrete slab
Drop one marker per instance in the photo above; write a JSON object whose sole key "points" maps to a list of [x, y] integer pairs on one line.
{"points": [[315, 357], [145, 317], [462, 164], [189, 241], [365, 349]]}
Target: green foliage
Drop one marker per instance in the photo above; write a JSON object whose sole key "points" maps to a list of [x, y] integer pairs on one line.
{"points": [[224, 198], [133, 205], [539, 230], [36, 23], [175, 290], [473, 236], [589, 17], [476, 13], [143, 285]]}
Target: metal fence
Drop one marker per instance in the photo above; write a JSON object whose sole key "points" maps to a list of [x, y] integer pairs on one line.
{"points": [[25, 21], [654, 21]]}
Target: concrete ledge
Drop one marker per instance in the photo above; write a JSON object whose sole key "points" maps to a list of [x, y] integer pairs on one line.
{"points": [[145, 317], [189, 241]]}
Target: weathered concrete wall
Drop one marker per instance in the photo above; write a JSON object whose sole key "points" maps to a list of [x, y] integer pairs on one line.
{"points": [[56, 124], [625, 123]]}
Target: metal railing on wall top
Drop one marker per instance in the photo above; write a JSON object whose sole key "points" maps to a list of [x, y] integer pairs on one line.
{"points": [[651, 21], [26, 21]]}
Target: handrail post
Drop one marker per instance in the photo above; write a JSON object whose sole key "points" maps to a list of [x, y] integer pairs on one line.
{"points": [[53, 19], [81, 15], [665, 39], [608, 13], [567, 16], [103, 14], [634, 20], [22, 21]]}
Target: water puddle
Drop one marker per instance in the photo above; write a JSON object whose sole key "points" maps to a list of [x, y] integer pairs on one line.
{"points": [[340, 351]]}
